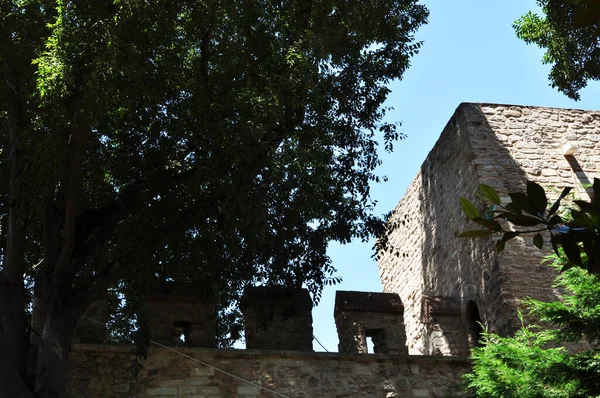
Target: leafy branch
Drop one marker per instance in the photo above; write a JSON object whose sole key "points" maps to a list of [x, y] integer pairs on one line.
{"points": [[577, 232]]}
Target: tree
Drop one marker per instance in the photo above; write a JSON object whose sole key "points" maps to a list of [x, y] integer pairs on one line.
{"points": [[210, 144], [569, 31], [534, 362]]}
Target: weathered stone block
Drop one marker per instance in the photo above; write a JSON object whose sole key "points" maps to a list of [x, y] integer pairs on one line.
{"points": [[277, 318], [181, 320], [359, 315]]}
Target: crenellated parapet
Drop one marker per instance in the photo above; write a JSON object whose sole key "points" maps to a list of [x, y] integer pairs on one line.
{"points": [[277, 318], [359, 315]]}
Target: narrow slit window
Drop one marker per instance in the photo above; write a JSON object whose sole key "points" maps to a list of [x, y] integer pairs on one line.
{"points": [[474, 328]]}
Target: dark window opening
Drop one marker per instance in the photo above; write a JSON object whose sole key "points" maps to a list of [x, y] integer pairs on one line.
{"points": [[182, 331], [474, 328], [377, 336]]}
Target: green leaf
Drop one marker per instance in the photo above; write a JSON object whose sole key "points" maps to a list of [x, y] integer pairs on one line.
{"points": [[568, 265], [555, 220], [468, 208], [513, 208], [509, 235], [490, 193], [581, 219], [554, 240], [556, 204], [476, 234], [489, 224], [499, 246], [524, 221], [521, 202], [587, 207], [537, 197], [571, 249], [596, 199], [538, 240]]}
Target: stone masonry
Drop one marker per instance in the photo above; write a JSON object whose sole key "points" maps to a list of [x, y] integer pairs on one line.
{"points": [[108, 371], [173, 370], [447, 283], [277, 318], [359, 315]]}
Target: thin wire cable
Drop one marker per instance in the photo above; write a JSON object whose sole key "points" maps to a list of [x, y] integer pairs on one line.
{"points": [[322, 346], [205, 364]]}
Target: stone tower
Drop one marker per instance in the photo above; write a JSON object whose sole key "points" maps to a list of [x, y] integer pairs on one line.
{"points": [[449, 284]]}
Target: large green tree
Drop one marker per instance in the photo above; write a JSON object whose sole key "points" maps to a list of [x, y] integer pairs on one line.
{"points": [[569, 31], [208, 143]]}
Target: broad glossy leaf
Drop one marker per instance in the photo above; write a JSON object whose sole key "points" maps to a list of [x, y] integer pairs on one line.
{"points": [[538, 240], [509, 235], [554, 240], [596, 199], [469, 209], [587, 207], [537, 197], [521, 201], [499, 246], [489, 224], [555, 220], [524, 221], [490, 193], [513, 208], [556, 204], [568, 265], [581, 219], [571, 249]]}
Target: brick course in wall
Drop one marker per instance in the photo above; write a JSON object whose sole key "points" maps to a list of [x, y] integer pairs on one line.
{"points": [[502, 146]]}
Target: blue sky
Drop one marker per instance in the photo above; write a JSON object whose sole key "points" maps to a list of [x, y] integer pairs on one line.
{"points": [[470, 54]]}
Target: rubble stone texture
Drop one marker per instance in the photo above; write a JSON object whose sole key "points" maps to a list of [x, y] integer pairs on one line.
{"points": [[181, 320], [359, 315], [291, 373], [431, 269], [277, 318]]}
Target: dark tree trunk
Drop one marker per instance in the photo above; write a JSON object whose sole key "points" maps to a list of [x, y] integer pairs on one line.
{"points": [[53, 351], [13, 337]]}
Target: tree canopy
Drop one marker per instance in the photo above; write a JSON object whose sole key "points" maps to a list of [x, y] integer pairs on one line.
{"points": [[569, 31], [163, 145]]}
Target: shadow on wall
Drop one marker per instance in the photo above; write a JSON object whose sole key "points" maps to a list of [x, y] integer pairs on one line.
{"points": [[467, 154]]}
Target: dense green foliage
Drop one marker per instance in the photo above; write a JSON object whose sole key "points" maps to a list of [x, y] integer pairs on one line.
{"points": [[534, 362], [569, 31], [191, 146]]}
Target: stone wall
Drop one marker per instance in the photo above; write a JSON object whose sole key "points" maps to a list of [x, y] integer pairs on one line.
{"points": [[277, 318], [108, 371], [359, 315], [502, 146]]}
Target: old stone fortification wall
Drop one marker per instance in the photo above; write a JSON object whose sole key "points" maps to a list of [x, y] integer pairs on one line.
{"points": [[278, 328], [446, 283], [108, 371]]}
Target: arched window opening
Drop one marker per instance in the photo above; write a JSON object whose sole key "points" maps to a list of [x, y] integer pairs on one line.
{"points": [[474, 328]]}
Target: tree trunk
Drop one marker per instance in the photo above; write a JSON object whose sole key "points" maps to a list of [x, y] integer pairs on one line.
{"points": [[53, 352], [12, 291]]}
